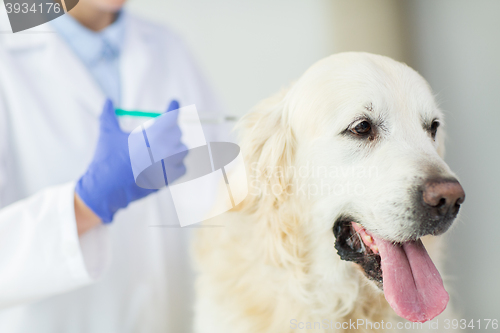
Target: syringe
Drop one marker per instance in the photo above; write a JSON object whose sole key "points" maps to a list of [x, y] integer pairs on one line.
{"points": [[153, 114]]}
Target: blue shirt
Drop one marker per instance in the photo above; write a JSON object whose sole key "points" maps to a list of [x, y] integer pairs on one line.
{"points": [[99, 51]]}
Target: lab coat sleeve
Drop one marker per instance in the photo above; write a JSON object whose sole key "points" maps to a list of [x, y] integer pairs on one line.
{"points": [[40, 251], [41, 254]]}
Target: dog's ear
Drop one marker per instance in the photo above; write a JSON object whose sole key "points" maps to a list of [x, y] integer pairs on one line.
{"points": [[268, 145]]}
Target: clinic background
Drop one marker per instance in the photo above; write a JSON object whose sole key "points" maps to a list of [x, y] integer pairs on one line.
{"points": [[251, 49]]}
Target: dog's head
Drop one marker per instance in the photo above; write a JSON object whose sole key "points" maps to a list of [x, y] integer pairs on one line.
{"points": [[355, 146]]}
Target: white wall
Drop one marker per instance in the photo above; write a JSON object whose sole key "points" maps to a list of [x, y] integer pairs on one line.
{"points": [[371, 26], [457, 49], [248, 49]]}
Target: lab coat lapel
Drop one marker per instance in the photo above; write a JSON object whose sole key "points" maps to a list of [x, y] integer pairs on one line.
{"points": [[83, 89], [134, 66], [61, 63], [142, 85]]}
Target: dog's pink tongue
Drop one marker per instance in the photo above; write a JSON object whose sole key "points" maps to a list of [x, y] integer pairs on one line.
{"points": [[412, 284]]}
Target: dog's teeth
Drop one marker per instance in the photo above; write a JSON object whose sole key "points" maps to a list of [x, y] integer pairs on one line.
{"points": [[374, 248], [368, 239]]}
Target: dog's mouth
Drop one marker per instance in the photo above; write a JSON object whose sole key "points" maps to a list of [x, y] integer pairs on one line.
{"points": [[411, 283], [353, 243]]}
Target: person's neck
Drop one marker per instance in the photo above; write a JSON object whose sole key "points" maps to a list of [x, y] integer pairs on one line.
{"points": [[92, 18]]}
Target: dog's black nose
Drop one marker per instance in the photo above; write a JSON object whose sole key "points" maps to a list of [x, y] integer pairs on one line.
{"points": [[443, 196]]}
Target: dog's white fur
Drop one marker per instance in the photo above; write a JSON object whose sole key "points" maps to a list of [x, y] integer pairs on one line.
{"points": [[274, 260]]}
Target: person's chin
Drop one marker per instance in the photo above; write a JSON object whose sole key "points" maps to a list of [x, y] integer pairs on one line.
{"points": [[111, 6]]}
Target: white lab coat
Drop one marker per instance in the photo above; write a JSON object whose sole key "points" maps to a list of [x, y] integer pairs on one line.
{"points": [[131, 276]]}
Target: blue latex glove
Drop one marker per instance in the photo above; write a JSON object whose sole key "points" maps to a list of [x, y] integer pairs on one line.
{"points": [[108, 184]]}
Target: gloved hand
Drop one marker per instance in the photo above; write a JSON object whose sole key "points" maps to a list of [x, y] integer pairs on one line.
{"points": [[108, 184]]}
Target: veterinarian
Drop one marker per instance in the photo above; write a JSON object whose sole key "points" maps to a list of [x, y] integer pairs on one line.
{"points": [[80, 246]]}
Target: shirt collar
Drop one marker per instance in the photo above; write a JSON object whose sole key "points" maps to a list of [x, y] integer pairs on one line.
{"points": [[89, 45]]}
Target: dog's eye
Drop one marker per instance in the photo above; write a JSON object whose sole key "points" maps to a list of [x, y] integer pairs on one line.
{"points": [[434, 128], [362, 129]]}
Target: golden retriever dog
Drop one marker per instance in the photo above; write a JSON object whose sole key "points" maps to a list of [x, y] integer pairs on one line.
{"points": [[345, 176]]}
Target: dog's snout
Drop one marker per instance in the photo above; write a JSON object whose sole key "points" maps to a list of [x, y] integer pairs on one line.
{"points": [[443, 196]]}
